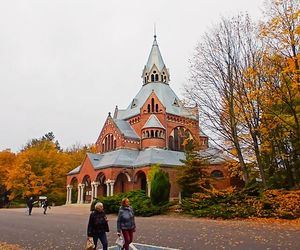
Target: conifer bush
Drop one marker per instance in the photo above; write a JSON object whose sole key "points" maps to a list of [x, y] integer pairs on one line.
{"points": [[160, 188]]}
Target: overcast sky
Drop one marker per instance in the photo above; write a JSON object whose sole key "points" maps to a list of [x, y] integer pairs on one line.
{"points": [[65, 64]]}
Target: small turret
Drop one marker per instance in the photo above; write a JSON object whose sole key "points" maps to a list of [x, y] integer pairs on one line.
{"points": [[155, 70]]}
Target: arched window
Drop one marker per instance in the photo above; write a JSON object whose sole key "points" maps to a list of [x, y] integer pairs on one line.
{"points": [[156, 133], [152, 133], [177, 137], [105, 144], [109, 143], [148, 108], [152, 78], [156, 77], [156, 107], [171, 143]]}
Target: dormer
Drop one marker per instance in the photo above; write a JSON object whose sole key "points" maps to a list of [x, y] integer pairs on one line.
{"points": [[155, 69]]}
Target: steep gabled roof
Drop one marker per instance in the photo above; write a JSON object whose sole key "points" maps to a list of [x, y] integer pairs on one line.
{"points": [[166, 96], [126, 129], [153, 122]]}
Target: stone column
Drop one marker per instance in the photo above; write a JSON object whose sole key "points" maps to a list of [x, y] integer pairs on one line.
{"points": [[112, 187], [107, 187], [148, 188], [96, 184], [93, 190], [79, 193], [69, 194], [67, 199]]}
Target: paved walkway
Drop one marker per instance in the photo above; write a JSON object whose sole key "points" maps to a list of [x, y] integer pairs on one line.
{"points": [[65, 228]]}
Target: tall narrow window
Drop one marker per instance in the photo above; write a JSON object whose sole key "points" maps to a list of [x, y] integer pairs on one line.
{"points": [[148, 108], [152, 105], [156, 107], [111, 142], [152, 78]]}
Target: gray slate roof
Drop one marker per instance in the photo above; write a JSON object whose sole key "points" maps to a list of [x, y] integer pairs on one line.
{"points": [[134, 158], [126, 129], [75, 170], [153, 122], [166, 96], [155, 57]]}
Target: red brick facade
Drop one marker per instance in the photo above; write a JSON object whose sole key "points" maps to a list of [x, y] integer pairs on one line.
{"points": [[155, 119]]}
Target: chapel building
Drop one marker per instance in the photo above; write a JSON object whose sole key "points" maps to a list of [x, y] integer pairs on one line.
{"points": [[151, 130]]}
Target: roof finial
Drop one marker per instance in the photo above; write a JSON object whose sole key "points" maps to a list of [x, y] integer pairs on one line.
{"points": [[154, 31]]}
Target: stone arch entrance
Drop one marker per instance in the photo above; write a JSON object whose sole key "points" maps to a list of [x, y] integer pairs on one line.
{"points": [[141, 181], [102, 188], [122, 183], [74, 194], [87, 189]]}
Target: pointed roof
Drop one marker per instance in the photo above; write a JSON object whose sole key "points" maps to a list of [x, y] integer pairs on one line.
{"points": [[166, 96], [153, 122], [155, 57]]}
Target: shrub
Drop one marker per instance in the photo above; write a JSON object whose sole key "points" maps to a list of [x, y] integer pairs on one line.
{"points": [[140, 203], [160, 188], [230, 204]]}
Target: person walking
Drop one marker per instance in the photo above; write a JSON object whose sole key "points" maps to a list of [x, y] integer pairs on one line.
{"points": [[45, 205], [98, 226], [126, 222], [30, 203]]}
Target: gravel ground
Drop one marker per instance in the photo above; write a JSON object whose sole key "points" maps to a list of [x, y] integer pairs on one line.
{"points": [[65, 228]]}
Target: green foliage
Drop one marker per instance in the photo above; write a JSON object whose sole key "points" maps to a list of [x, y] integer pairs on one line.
{"points": [[229, 204], [160, 188], [191, 177], [140, 203], [154, 168]]}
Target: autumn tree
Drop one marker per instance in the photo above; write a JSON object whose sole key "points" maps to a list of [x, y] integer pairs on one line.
{"points": [[280, 31], [228, 94], [7, 160]]}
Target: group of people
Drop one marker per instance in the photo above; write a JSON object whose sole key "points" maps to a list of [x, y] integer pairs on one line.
{"points": [[31, 202], [98, 224]]}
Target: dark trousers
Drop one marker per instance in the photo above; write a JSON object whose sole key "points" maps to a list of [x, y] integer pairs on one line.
{"points": [[45, 209], [102, 237], [30, 210], [128, 237]]}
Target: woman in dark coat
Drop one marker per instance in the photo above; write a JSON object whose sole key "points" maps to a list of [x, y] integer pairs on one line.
{"points": [[30, 203], [126, 222], [45, 205], [98, 226]]}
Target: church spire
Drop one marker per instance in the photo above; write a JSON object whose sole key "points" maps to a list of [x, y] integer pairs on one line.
{"points": [[155, 69]]}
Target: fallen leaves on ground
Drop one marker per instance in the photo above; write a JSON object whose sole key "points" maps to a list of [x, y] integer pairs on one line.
{"points": [[6, 246]]}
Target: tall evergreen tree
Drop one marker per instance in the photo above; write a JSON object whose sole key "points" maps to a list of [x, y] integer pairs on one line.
{"points": [[160, 188], [191, 177]]}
